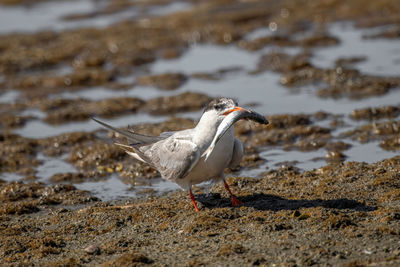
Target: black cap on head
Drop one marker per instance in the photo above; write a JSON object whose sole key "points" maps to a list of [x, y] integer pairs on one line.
{"points": [[220, 103]]}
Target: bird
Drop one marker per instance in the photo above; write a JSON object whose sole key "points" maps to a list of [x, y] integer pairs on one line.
{"points": [[179, 156]]}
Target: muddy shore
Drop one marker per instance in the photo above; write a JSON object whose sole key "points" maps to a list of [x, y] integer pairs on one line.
{"points": [[319, 187], [345, 214]]}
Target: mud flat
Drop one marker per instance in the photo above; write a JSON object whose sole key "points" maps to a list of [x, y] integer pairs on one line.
{"points": [[338, 214], [320, 184]]}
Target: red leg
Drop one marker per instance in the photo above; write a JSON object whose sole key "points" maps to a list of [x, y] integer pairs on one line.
{"points": [[194, 202], [234, 200]]}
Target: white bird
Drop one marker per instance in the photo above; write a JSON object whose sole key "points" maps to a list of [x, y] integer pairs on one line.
{"points": [[180, 156]]}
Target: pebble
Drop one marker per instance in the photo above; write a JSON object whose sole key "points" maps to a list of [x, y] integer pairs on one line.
{"points": [[92, 249]]}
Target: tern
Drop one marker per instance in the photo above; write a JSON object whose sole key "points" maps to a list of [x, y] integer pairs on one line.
{"points": [[193, 156]]}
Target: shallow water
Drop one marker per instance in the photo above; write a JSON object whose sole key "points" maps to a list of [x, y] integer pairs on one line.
{"points": [[368, 152], [276, 157], [40, 129], [273, 98], [51, 166], [10, 177], [113, 188], [207, 58], [42, 16], [99, 93], [108, 189], [33, 112], [382, 55], [50, 15], [9, 96]]}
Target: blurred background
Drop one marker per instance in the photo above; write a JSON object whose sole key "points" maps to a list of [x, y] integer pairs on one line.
{"points": [[325, 72]]}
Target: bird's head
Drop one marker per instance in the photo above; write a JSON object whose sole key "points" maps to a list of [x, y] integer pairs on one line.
{"points": [[218, 109], [221, 107]]}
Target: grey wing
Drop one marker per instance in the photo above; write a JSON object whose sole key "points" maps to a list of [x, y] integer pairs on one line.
{"points": [[237, 154], [166, 134], [173, 158], [184, 134]]}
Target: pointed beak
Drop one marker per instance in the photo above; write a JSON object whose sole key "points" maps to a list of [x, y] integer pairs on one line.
{"points": [[250, 115], [236, 109]]}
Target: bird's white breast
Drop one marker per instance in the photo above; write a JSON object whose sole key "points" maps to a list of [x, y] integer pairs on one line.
{"points": [[214, 166]]}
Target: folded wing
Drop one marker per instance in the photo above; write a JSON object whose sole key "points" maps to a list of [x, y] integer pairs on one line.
{"points": [[173, 158], [172, 154]]}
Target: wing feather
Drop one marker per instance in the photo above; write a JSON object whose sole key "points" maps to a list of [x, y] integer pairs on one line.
{"points": [[237, 154], [172, 153], [137, 138], [173, 158]]}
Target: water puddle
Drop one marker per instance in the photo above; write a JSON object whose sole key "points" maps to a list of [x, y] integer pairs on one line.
{"points": [[108, 189], [277, 157], [259, 33], [382, 55], [273, 98], [369, 152], [113, 188], [208, 58], [33, 112], [51, 166], [42, 16], [53, 15], [170, 8], [40, 129], [100, 93], [57, 70], [9, 97], [10, 177]]}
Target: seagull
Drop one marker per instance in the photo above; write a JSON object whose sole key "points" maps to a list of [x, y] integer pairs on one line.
{"points": [[179, 156]]}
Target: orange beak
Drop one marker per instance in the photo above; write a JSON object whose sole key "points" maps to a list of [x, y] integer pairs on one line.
{"points": [[235, 109]]}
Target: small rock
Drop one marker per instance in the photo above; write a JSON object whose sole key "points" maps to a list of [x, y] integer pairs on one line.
{"points": [[92, 249], [335, 156]]}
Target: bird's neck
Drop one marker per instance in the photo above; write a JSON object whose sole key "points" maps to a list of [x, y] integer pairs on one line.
{"points": [[206, 129]]}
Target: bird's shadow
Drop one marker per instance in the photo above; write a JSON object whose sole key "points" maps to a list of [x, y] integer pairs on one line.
{"points": [[263, 201]]}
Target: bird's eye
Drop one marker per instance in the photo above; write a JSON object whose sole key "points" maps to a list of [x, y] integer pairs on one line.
{"points": [[218, 106]]}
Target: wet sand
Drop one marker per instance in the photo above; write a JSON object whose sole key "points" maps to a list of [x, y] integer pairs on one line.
{"points": [[320, 185]]}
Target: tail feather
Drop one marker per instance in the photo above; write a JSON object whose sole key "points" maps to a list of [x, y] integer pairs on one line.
{"points": [[126, 148], [133, 150], [137, 138]]}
